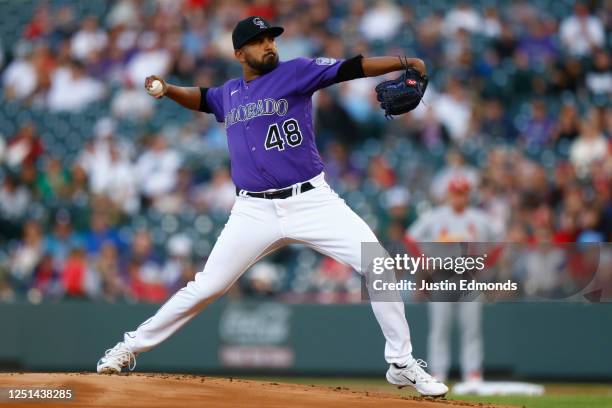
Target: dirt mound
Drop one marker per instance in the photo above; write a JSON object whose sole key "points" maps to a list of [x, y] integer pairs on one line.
{"points": [[176, 391]]}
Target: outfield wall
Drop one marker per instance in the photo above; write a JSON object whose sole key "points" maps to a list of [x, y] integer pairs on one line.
{"points": [[543, 340]]}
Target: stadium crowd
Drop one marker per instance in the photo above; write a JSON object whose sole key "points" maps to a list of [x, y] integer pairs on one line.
{"points": [[519, 103]]}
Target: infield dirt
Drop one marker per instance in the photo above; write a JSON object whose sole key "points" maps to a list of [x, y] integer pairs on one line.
{"points": [[177, 391]]}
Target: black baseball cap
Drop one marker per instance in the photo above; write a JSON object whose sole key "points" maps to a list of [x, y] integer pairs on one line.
{"points": [[251, 27]]}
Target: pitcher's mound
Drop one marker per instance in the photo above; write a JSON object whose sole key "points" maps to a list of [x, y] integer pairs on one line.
{"points": [[177, 391]]}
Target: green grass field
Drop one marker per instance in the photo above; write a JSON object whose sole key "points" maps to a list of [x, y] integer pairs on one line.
{"points": [[557, 395]]}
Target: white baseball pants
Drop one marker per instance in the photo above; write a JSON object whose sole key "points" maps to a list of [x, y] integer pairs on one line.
{"points": [[440, 325], [256, 227]]}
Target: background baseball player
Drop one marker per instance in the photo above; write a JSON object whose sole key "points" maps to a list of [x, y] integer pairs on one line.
{"points": [[282, 194], [455, 221]]}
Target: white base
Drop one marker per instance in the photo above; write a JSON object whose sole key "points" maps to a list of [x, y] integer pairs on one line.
{"points": [[497, 388]]}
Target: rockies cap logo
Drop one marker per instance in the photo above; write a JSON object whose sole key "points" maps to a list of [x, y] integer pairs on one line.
{"points": [[259, 23]]}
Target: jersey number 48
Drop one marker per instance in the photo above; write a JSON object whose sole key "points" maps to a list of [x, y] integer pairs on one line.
{"points": [[292, 135]]}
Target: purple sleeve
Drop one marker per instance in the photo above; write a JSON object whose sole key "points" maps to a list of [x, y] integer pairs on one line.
{"points": [[212, 102], [314, 74]]}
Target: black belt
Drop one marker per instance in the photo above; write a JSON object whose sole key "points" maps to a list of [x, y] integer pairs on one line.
{"points": [[278, 194]]}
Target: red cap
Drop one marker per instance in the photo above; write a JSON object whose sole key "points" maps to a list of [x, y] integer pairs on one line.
{"points": [[459, 185]]}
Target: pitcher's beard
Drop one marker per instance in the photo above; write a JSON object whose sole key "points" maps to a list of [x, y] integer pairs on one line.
{"points": [[265, 66]]}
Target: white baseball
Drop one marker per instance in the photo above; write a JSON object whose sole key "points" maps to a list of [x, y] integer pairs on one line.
{"points": [[156, 88]]}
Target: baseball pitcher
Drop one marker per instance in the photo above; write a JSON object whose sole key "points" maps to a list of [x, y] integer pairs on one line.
{"points": [[282, 196]]}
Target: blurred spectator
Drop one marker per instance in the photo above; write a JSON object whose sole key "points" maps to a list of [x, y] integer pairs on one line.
{"points": [[590, 223], [492, 25], [25, 147], [108, 65], [19, 78], [429, 44], [599, 77], [117, 181], [95, 158], [563, 179], [65, 25], [589, 147], [506, 43], [100, 233], [358, 99], [40, 24], [54, 181], [144, 270], [157, 168], [567, 229], [14, 202], [462, 17], [432, 133], [381, 173], [151, 58], [338, 165], [72, 90], [123, 13], [45, 63], [179, 197], [178, 268], [333, 122], [396, 202], [494, 203], [46, 282], [95, 149], [544, 265], [294, 42], [132, 102], [335, 282], [538, 129], [89, 39], [141, 291], [195, 35], [62, 240], [28, 177], [217, 195], [582, 32], [26, 257], [78, 190], [521, 12], [531, 182], [538, 45], [79, 279], [382, 21], [262, 280], [394, 238], [495, 122], [454, 110], [456, 48], [455, 167], [522, 79], [107, 266], [568, 126], [567, 75]]}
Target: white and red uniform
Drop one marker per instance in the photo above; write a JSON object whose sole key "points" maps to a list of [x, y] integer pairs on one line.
{"points": [[444, 224]]}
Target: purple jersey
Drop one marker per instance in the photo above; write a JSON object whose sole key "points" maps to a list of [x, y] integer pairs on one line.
{"points": [[269, 123]]}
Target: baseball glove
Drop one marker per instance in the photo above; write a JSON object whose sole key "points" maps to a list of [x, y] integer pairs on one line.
{"points": [[403, 94]]}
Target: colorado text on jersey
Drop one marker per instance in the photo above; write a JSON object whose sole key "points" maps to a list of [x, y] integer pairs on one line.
{"points": [[252, 110]]}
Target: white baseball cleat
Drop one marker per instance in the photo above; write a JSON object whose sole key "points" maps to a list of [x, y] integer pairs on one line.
{"points": [[117, 358], [416, 377]]}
